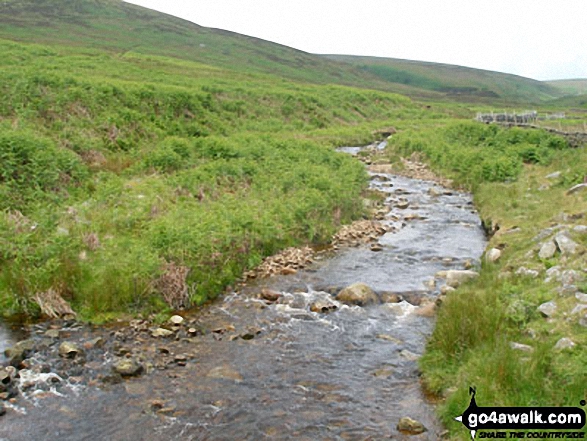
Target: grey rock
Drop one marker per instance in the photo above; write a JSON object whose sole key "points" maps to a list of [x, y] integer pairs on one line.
{"points": [[565, 244], [581, 229], [581, 297], [523, 271], [577, 188], [69, 350], [554, 175], [583, 321], [547, 250], [567, 290], [410, 426], [553, 273], [128, 367], [578, 309], [357, 294], [2, 410], [547, 309], [570, 277], [521, 347], [564, 343], [493, 255]]}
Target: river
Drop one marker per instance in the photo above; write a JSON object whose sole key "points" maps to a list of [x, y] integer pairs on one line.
{"points": [[349, 374]]}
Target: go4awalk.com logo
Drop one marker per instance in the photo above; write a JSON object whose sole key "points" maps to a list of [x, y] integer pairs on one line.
{"points": [[524, 422]]}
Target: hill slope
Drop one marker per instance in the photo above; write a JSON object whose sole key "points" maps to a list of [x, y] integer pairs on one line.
{"points": [[570, 87], [122, 27], [454, 81]]}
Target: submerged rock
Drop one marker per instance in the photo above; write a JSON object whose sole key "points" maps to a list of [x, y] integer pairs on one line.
{"points": [[128, 367], [357, 294], [225, 373], [19, 352], [410, 426]]}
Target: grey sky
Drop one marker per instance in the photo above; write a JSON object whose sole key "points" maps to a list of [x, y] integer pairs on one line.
{"points": [[540, 39]]}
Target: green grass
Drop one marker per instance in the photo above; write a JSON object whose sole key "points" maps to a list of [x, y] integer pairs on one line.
{"points": [[165, 161], [470, 345]]}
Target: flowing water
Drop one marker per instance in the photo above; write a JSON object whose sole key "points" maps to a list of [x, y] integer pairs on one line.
{"points": [[278, 371]]}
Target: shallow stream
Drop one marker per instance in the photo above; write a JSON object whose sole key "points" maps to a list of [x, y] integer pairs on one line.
{"points": [[275, 371]]}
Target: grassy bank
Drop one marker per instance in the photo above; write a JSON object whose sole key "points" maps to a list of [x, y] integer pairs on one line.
{"points": [[117, 171], [471, 345]]}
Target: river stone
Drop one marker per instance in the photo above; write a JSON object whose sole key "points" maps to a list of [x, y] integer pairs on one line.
{"points": [[2, 409], [225, 373], [547, 250], [402, 204], [17, 353], [410, 426], [52, 333], [270, 295], [357, 294], [176, 320], [161, 332], [128, 367], [455, 277], [547, 309], [445, 289], [322, 306], [390, 297], [493, 255], [566, 244], [564, 343], [69, 350]]}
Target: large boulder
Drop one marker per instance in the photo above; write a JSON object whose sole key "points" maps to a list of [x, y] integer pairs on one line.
{"points": [[357, 294]]}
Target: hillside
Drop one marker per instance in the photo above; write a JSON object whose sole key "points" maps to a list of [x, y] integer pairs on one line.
{"points": [[120, 27], [453, 81], [570, 87]]}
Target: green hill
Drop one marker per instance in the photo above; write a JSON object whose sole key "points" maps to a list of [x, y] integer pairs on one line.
{"points": [[570, 87], [121, 28], [453, 81]]}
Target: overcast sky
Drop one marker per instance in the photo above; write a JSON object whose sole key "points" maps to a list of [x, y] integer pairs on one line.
{"points": [[540, 39]]}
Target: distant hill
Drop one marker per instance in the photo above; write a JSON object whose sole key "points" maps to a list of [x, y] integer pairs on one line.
{"points": [[454, 81], [121, 27], [570, 87]]}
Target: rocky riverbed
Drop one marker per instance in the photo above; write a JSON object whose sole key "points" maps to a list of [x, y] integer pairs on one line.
{"points": [[325, 350]]}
